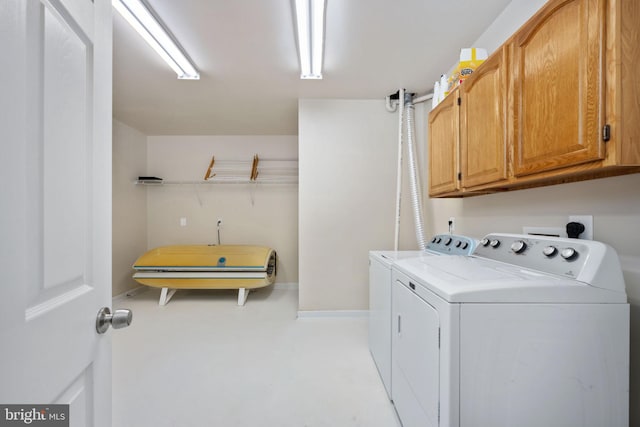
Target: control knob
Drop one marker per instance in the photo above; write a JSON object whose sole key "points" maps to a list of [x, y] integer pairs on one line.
{"points": [[518, 246], [568, 253], [484, 242], [448, 241], [550, 251], [434, 240], [494, 243]]}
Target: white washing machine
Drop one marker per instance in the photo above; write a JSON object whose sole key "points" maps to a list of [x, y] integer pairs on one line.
{"points": [[380, 263], [527, 332]]}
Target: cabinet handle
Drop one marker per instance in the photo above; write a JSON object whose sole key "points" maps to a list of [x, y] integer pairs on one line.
{"points": [[606, 133]]}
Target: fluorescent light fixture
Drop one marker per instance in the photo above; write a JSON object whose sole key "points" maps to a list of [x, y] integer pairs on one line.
{"points": [[310, 26], [142, 20]]}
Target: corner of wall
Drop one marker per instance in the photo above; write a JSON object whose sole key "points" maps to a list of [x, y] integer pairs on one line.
{"points": [[129, 211]]}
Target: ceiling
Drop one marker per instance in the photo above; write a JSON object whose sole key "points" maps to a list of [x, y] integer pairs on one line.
{"points": [[249, 76]]}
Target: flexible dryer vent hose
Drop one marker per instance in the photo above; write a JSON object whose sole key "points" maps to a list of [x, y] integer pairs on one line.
{"points": [[414, 179]]}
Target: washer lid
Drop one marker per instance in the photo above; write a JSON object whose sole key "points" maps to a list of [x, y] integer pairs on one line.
{"points": [[472, 279]]}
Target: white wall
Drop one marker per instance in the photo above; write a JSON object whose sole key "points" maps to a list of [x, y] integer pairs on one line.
{"points": [[129, 204], [613, 202], [507, 23], [256, 215], [348, 155]]}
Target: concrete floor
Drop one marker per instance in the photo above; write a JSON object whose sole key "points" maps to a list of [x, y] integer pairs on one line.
{"points": [[202, 360]]}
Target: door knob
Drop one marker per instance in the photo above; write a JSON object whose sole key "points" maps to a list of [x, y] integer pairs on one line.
{"points": [[119, 319]]}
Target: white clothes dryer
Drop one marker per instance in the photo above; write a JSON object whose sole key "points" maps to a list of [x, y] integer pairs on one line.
{"points": [[529, 331], [380, 263]]}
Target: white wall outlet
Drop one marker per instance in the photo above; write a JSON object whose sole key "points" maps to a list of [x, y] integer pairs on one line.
{"points": [[587, 221], [183, 221], [452, 224]]}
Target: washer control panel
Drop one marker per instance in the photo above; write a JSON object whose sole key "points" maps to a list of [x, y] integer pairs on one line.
{"points": [[555, 255], [452, 244]]}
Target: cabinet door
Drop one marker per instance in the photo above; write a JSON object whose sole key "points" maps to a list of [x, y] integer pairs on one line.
{"points": [[483, 130], [558, 87], [443, 146]]}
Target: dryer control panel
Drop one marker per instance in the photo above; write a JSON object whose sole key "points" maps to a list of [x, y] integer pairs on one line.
{"points": [[451, 244]]}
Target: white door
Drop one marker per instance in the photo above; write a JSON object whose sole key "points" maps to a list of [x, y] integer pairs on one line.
{"points": [[55, 216]]}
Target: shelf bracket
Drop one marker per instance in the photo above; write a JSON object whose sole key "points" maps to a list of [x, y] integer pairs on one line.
{"points": [[209, 173], [254, 168]]}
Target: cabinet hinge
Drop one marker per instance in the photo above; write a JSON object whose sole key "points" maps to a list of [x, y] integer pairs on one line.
{"points": [[459, 101], [606, 133]]}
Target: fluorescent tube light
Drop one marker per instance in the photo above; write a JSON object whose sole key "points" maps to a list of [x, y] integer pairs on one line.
{"points": [[310, 26], [142, 20]]}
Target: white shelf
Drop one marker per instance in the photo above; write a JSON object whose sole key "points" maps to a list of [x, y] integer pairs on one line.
{"points": [[225, 180], [256, 171]]}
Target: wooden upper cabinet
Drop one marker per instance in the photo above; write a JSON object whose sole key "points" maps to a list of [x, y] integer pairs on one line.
{"points": [[623, 81], [443, 146], [558, 87], [558, 102], [483, 123]]}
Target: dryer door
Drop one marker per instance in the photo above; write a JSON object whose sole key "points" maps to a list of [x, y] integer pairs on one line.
{"points": [[415, 358]]}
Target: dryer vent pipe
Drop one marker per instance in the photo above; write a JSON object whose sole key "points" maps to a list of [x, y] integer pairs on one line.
{"points": [[406, 110], [414, 178]]}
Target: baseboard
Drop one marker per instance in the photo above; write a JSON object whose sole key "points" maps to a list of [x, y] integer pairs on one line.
{"points": [[326, 314], [287, 286], [131, 293]]}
